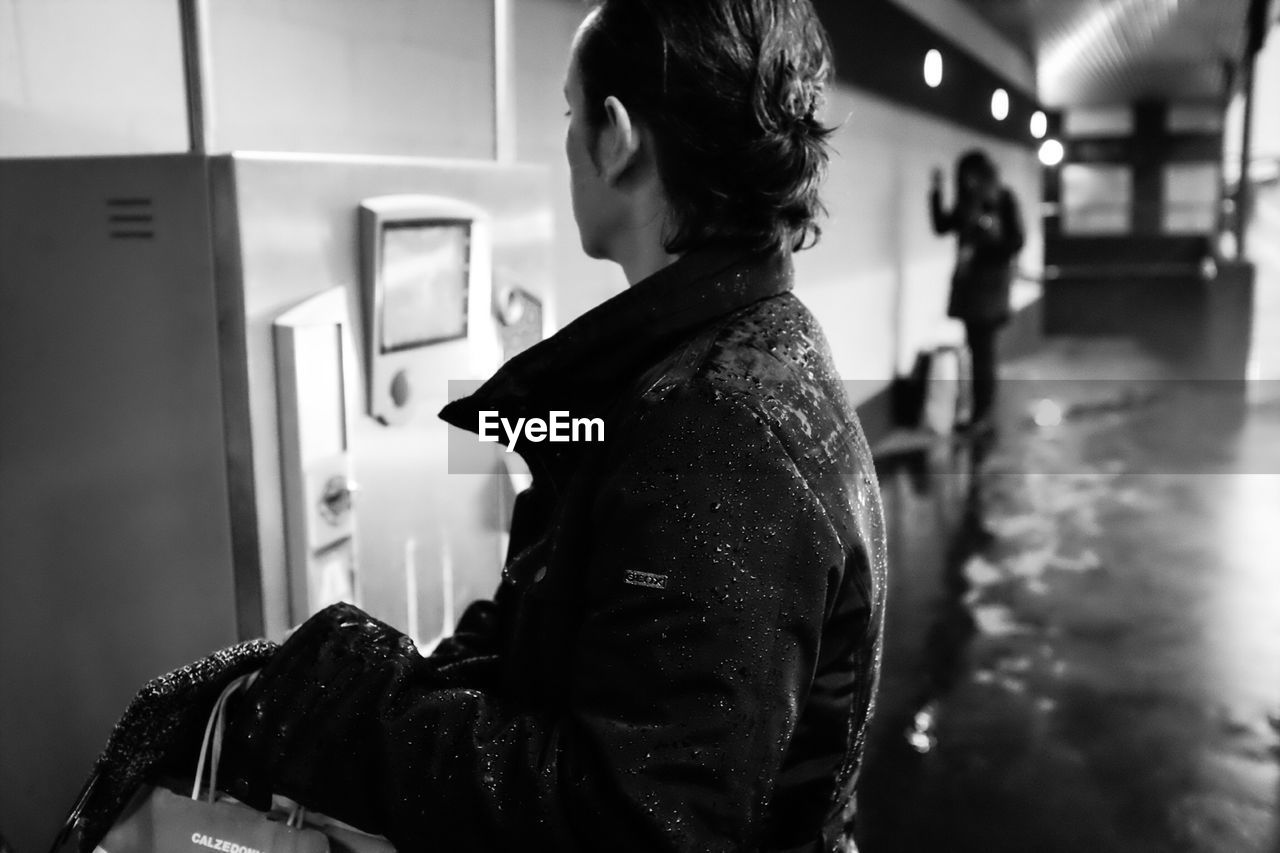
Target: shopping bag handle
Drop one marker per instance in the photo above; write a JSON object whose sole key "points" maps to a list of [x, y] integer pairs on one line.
{"points": [[211, 744], [212, 737], [211, 749]]}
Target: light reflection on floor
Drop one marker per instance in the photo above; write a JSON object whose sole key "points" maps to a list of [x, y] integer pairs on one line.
{"points": [[1084, 650]]}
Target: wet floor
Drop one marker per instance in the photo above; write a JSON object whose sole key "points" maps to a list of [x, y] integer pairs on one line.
{"points": [[1083, 646]]}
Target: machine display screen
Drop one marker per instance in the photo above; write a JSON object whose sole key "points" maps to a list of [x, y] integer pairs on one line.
{"points": [[425, 272]]}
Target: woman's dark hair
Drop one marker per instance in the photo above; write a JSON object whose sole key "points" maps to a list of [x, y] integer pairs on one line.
{"points": [[730, 90], [975, 162]]}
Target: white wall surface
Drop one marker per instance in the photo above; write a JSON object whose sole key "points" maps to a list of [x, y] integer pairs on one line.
{"points": [[407, 77], [1266, 114], [1266, 109], [90, 77], [401, 77]]}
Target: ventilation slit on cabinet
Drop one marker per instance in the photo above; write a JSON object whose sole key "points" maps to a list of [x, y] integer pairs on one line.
{"points": [[130, 218]]}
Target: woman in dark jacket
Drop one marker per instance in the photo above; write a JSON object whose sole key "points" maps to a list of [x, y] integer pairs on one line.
{"points": [[683, 650], [989, 235]]}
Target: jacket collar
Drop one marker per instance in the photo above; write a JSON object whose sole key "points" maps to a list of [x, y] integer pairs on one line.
{"points": [[584, 366]]}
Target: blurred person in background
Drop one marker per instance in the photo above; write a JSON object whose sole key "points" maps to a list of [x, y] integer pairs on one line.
{"points": [[989, 235]]}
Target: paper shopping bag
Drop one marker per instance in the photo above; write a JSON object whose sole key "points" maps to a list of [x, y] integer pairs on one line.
{"points": [[160, 821]]}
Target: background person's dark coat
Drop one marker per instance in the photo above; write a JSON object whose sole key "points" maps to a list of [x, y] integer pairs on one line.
{"points": [[985, 258], [684, 648]]}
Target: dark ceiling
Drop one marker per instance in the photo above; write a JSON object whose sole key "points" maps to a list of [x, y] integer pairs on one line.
{"points": [[1091, 52]]}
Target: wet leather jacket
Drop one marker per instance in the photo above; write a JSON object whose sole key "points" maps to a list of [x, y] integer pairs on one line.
{"points": [[683, 651]]}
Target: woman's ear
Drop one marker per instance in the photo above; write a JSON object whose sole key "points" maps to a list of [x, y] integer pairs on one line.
{"points": [[619, 142]]}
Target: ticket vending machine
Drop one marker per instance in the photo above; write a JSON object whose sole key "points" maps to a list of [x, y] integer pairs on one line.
{"points": [[426, 311], [219, 381], [428, 257]]}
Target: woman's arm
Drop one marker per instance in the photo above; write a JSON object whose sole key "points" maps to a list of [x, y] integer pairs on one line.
{"points": [[943, 220], [708, 583]]}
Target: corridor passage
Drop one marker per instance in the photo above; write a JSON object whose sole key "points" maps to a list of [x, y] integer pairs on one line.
{"points": [[1083, 649]]}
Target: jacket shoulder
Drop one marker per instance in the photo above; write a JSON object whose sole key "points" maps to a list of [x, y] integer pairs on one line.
{"points": [[767, 367], [769, 347], [743, 368]]}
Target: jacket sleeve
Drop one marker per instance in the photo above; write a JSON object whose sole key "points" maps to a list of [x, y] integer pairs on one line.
{"points": [[469, 656], [708, 572], [478, 635], [943, 220]]}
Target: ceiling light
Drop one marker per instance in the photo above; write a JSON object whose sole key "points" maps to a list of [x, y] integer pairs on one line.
{"points": [[933, 69], [1000, 104], [1039, 124], [1052, 152]]}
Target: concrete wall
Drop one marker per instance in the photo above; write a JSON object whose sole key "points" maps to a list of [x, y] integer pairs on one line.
{"points": [[398, 77], [65, 89], [1266, 118], [289, 75]]}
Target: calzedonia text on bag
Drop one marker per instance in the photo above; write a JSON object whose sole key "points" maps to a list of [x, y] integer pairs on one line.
{"points": [[221, 844]]}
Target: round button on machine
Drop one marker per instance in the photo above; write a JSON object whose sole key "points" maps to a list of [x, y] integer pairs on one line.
{"points": [[401, 391]]}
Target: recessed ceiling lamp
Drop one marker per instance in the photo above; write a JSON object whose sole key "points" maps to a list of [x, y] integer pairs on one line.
{"points": [[1000, 104], [1039, 124], [933, 69], [1052, 152]]}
